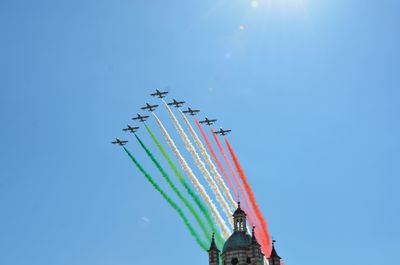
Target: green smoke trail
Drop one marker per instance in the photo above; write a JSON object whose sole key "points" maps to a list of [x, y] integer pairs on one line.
{"points": [[175, 189], [188, 188], [169, 200]]}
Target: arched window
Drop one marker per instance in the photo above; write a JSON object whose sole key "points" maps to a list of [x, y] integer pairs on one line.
{"points": [[234, 261]]}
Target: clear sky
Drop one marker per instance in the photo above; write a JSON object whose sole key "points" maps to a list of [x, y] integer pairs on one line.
{"points": [[309, 88]]}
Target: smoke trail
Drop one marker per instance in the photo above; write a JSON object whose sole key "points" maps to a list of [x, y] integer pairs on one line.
{"points": [[203, 208], [266, 247], [253, 220], [247, 206], [206, 156], [200, 164], [169, 200], [200, 189], [175, 189], [219, 164]]}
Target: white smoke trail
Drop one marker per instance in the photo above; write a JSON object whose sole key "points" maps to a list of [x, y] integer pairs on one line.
{"points": [[200, 164], [206, 156], [199, 187]]}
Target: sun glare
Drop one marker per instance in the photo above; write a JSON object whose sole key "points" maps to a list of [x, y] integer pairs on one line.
{"points": [[254, 3]]}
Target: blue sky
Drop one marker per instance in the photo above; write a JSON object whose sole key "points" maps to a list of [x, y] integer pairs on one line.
{"points": [[310, 89]]}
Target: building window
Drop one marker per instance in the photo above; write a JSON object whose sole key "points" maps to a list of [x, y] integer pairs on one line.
{"points": [[248, 260], [234, 261]]}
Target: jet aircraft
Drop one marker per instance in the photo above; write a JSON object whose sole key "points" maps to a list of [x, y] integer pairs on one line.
{"points": [[176, 103], [191, 111], [159, 94], [222, 132], [130, 129], [149, 107], [119, 142], [208, 122], [140, 118]]}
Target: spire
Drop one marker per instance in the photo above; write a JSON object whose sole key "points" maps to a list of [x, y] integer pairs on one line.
{"points": [[253, 236], [213, 246], [274, 254]]}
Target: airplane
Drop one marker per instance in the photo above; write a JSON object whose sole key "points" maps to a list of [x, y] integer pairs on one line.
{"points": [[191, 111], [208, 122], [130, 129], [222, 132], [176, 103], [159, 94], [119, 142], [140, 118], [149, 107]]}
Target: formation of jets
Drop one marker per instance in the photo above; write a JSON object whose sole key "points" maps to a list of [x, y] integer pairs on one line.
{"points": [[130, 129], [191, 111], [222, 132], [208, 121], [175, 103], [149, 107]]}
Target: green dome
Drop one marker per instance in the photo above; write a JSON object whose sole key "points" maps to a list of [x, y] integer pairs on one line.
{"points": [[237, 240]]}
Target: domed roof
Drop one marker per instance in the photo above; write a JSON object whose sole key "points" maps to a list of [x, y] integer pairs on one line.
{"points": [[239, 239], [239, 211]]}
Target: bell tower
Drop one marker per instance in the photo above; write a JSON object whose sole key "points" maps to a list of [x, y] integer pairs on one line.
{"points": [[239, 220]]}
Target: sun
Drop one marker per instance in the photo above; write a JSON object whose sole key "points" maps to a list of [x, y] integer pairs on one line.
{"points": [[255, 3]]}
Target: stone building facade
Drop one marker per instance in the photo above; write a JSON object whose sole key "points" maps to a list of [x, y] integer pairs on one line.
{"points": [[241, 248]]}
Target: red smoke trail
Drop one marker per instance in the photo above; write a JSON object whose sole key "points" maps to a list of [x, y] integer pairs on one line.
{"points": [[267, 246], [219, 164], [252, 218]]}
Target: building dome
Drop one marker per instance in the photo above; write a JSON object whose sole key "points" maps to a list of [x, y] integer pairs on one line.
{"points": [[238, 240]]}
